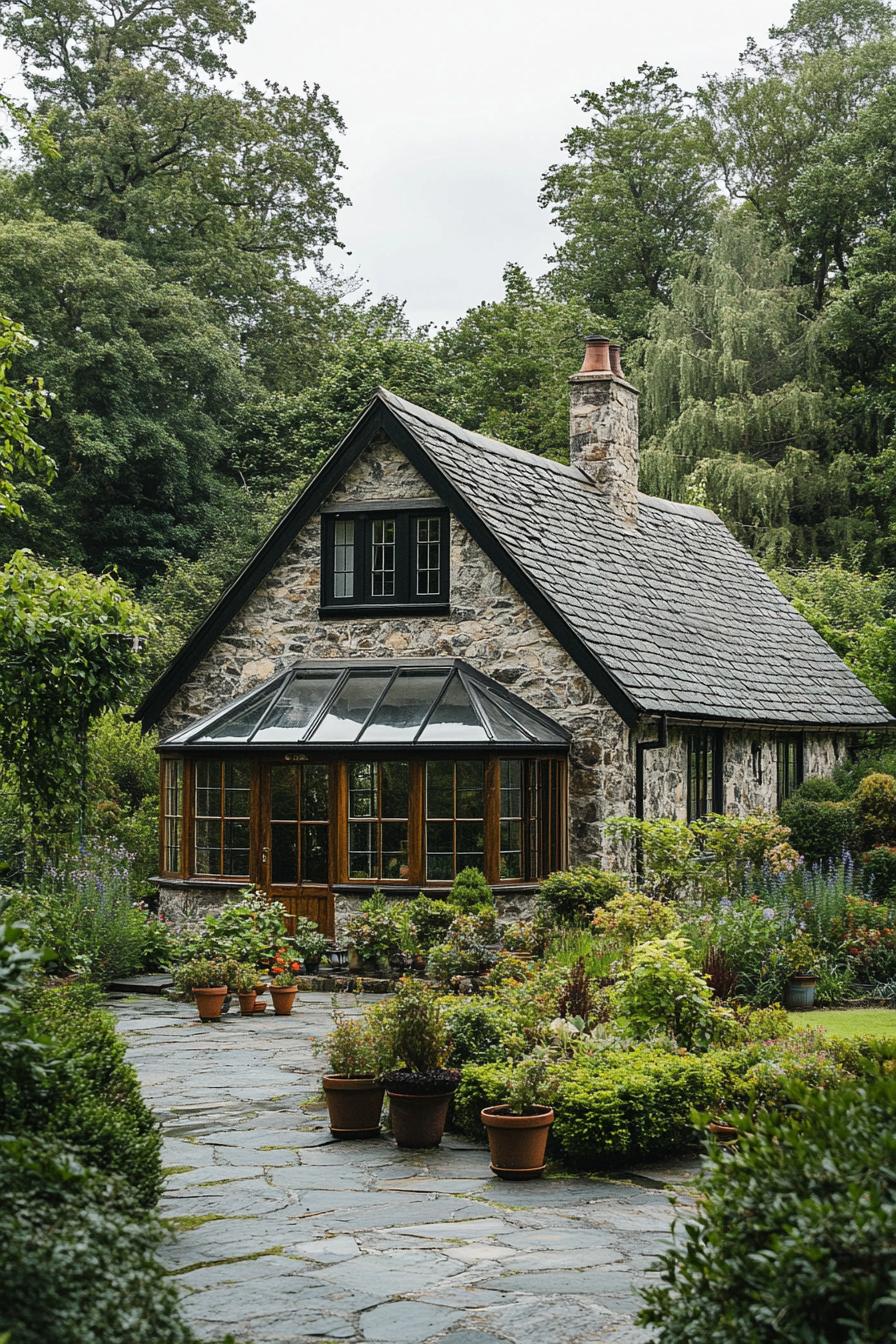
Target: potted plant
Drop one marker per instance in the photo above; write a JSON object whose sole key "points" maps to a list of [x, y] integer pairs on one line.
{"points": [[244, 982], [420, 1090], [373, 935], [518, 1129], [207, 982], [520, 939], [309, 943], [353, 1090], [283, 992], [802, 983]]}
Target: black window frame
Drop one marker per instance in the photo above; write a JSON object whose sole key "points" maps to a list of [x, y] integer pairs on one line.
{"points": [[785, 779], [708, 797], [405, 598]]}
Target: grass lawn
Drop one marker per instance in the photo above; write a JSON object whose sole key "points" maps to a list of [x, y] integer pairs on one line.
{"points": [[850, 1021]]}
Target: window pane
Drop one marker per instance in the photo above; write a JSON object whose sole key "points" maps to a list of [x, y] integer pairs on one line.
{"points": [[284, 795], [315, 844], [503, 727], [404, 707], [342, 721], [395, 849], [454, 719], [470, 844], [439, 850], [439, 789], [295, 709], [315, 792], [208, 788], [344, 558], [362, 789], [208, 843], [511, 788], [394, 776], [172, 844], [237, 727], [284, 853], [470, 788], [362, 849], [236, 848], [511, 849], [429, 543], [382, 558], [237, 778]]}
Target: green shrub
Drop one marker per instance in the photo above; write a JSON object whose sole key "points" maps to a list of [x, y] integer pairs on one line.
{"points": [[84, 1094], [662, 992], [430, 920], [77, 1266], [875, 804], [87, 915], [249, 928], [414, 1021], [480, 1031], [375, 931], [470, 891], [571, 897], [879, 873], [822, 789], [794, 1230], [633, 918], [820, 829]]}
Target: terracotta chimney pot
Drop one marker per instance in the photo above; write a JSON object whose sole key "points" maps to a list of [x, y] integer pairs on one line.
{"points": [[597, 355], [616, 360]]}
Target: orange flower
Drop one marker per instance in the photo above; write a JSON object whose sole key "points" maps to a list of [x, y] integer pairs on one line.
{"points": [[295, 965]]}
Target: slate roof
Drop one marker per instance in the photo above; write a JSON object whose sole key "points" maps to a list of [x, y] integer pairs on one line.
{"points": [[672, 617], [679, 614]]}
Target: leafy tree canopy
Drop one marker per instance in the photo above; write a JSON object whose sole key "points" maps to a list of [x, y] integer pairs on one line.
{"points": [[508, 363], [735, 413], [69, 648], [143, 383], [633, 196], [231, 194], [20, 454]]}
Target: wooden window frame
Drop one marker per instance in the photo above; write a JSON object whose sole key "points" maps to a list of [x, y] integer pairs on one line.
{"points": [[263, 824], [166, 763], [377, 820], [544, 830], [405, 597], [708, 796], [223, 817], [784, 784]]}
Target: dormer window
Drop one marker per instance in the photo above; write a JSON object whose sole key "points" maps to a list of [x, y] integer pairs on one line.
{"points": [[387, 559]]}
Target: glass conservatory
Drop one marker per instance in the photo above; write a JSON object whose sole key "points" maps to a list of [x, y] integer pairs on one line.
{"points": [[354, 775]]}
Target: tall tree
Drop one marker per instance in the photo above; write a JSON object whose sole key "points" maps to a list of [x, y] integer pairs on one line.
{"points": [[508, 362], [20, 405], [736, 414], [231, 194], [772, 123], [144, 384], [633, 196]]}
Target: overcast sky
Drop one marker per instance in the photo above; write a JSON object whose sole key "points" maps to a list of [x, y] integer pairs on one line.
{"points": [[454, 110]]}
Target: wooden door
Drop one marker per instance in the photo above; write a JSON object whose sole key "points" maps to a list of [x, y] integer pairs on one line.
{"points": [[296, 846]]}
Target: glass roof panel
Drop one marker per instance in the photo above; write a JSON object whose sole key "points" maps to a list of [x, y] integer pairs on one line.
{"points": [[237, 726], [533, 727], [347, 712], [404, 707], [297, 707], [454, 718], [502, 725]]}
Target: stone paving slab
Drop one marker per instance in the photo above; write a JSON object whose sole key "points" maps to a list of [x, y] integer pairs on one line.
{"points": [[281, 1233]]}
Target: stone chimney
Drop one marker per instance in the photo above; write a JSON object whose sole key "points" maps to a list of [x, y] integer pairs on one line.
{"points": [[603, 427]]}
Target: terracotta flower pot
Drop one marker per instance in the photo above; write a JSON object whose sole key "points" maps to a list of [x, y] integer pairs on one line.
{"points": [[247, 1003], [722, 1133], [260, 1006], [517, 1143], [418, 1121], [355, 1105], [209, 1002], [283, 997]]}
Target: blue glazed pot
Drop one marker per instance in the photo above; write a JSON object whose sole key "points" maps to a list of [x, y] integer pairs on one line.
{"points": [[799, 992]]}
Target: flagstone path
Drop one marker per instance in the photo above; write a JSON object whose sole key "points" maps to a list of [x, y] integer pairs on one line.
{"points": [[282, 1234]]}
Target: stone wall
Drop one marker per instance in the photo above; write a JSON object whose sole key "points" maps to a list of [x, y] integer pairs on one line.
{"points": [[750, 780], [489, 626]]}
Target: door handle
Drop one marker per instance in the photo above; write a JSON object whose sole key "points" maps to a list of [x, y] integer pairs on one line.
{"points": [[265, 856]]}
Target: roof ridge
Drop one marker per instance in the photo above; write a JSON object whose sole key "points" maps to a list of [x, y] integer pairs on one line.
{"points": [[483, 441]]}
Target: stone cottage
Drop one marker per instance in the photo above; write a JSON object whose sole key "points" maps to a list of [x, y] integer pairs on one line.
{"points": [[452, 652]]}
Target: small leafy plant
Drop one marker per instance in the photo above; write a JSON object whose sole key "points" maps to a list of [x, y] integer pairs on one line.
{"points": [[419, 1040], [662, 992], [201, 973], [470, 891], [285, 979], [244, 977], [356, 1048]]}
